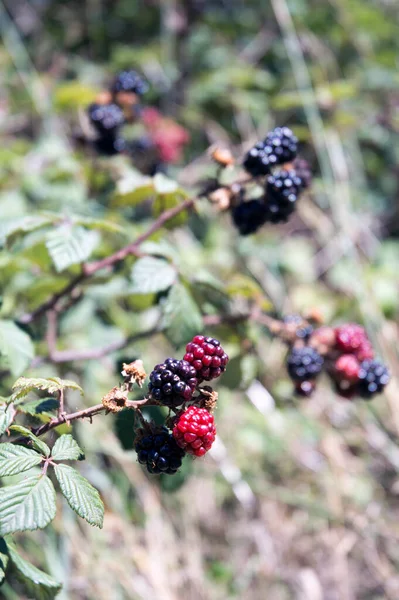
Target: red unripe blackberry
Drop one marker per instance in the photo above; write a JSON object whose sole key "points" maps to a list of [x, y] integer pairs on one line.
{"points": [[195, 431], [347, 368], [172, 382], [350, 337], [207, 357], [365, 351]]}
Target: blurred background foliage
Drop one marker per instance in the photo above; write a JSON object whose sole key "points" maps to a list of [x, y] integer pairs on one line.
{"points": [[299, 498]]}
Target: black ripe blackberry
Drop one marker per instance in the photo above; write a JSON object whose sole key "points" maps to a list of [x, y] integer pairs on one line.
{"points": [[106, 118], [130, 82], [172, 382], [304, 364], [373, 377], [303, 329], [282, 191], [159, 452], [249, 216], [256, 162]]}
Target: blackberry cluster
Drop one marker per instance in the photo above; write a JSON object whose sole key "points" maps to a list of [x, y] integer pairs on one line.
{"points": [[207, 357], [159, 452], [285, 177], [282, 191], [172, 382], [304, 363], [278, 148], [110, 112], [130, 82]]}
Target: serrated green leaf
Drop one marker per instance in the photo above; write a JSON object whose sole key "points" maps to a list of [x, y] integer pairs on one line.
{"points": [[68, 245], [101, 224], [38, 584], [151, 275], [181, 316], [3, 559], [7, 414], [81, 496], [24, 385], [16, 348], [66, 448], [17, 459], [36, 443], [12, 228], [27, 505]]}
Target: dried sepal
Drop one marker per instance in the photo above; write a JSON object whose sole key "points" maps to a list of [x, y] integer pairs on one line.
{"points": [[115, 400], [134, 372]]}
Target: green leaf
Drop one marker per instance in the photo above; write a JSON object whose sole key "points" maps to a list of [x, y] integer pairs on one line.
{"points": [[101, 224], [133, 189], [38, 584], [81, 496], [23, 386], [36, 443], [7, 414], [68, 245], [151, 275], [164, 185], [3, 559], [16, 459], [66, 448], [182, 318], [27, 505], [40, 407], [12, 228], [16, 348], [164, 202]]}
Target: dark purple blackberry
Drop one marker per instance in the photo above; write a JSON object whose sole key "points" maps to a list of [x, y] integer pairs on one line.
{"points": [[304, 364], [159, 452], [256, 162], [110, 145], [106, 118], [373, 377], [282, 191], [172, 382], [303, 329], [130, 82], [280, 146], [249, 216]]}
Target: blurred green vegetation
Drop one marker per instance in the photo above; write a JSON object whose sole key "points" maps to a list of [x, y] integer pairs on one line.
{"points": [[299, 499]]}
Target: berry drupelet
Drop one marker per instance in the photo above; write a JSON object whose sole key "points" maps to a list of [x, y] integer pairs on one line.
{"points": [[282, 191], [159, 452], [207, 357], [172, 382], [249, 216], [373, 377], [195, 431], [304, 364], [106, 118], [130, 82]]}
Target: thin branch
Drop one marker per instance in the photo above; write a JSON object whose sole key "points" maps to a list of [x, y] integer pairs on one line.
{"points": [[91, 268]]}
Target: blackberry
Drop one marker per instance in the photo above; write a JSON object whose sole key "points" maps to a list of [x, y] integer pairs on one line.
{"points": [[304, 364], [303, 329], [207, 357], [172, 382], [373, 377], [278, 148], [282, 191], [350, 337], [106, 118], [195, 431], [249, 216], [159, 452], [130, 82]]}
